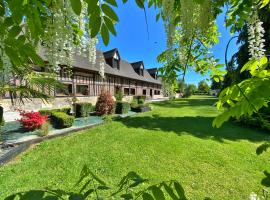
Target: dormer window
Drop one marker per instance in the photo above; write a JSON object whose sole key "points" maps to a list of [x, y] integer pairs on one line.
{"points": [[138, 67], [112, 58]]}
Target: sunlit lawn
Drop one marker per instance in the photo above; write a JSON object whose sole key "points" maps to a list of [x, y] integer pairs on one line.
{"points": [[174, 141]]}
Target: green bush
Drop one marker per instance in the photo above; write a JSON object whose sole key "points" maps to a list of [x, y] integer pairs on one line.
{"points": [[119, 95], [121, 107], [49, 112], [2, 121], [138, 100], [83, 109], [44, 129], [61, 120]]}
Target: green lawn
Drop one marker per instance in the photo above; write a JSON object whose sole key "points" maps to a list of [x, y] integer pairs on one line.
{"points": [[174, 141]]}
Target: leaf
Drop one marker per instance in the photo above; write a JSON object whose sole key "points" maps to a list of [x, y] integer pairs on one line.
{"points": [[14, 31], [140, 3], [76, 6], [262, 148], [95, 26], [157, 16], [109, 12], [147, 196], [110, 25], [264, 3], [112, 2], [250, 65], [92, 6], [105, 35], [157, 192]]}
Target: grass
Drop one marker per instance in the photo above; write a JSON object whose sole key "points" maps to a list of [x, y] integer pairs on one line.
{"points": [[174, 141]]}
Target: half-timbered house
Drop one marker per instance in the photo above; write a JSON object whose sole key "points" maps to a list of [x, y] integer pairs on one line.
{"points": [[85, 83]]}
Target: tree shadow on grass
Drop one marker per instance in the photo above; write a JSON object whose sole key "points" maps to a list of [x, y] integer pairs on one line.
{"points": [[186, 102], [199, 126]]}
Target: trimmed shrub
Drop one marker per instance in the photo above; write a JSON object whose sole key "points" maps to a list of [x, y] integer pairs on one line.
{"points": [[44, 129], [32, 120], [122, 107], [83, 109], [61, 120], [48, 112], [105, 104], [2, 121], [139, 100]]}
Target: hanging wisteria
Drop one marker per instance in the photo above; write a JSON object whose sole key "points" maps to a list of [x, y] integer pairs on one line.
{"points": [[60, 39], [256, 37]]}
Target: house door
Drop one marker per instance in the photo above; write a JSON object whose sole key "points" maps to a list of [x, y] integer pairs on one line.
{"points": [[151, 92]]}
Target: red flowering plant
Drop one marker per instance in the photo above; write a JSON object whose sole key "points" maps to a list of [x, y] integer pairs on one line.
{"points": [[32, 120]]}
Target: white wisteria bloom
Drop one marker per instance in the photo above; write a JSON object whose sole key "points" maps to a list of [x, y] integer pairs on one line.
{"points": [[92, 50], [101, 66], [256, 37]]}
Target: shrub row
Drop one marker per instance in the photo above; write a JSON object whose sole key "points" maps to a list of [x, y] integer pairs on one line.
{"points": [[61, 120], [48, 112]]}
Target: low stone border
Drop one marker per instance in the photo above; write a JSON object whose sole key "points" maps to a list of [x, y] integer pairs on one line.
{"points": [[14, 152]]}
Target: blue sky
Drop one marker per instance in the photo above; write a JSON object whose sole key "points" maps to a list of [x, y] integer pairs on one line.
{"points": [[134, 45]]}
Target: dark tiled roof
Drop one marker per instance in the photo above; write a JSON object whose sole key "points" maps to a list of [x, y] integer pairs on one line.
{"points": [[126, 69]]}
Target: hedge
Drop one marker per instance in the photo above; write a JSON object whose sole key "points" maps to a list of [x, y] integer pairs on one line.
{"points": [[83, 109], [48, 112], [122, 107], [61, 120]]}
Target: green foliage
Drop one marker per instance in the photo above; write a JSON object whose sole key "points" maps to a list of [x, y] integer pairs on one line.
{"points": [[44, 129], [247, 97], [203, 87], [189, 90], [61, 120], [119, 95], [83, 109], [122, 107], [138, 100], [49, 112]]}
